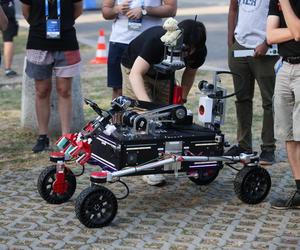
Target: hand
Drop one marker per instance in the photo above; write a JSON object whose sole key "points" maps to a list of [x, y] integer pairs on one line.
{"points": [[135, 13], [124, 7], [261, 49]]}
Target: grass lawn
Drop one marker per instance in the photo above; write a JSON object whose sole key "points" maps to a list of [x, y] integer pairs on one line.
{"points": [[16, 143]]}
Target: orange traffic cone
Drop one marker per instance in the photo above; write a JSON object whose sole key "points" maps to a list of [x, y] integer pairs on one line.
{"points": [[101, 53]]}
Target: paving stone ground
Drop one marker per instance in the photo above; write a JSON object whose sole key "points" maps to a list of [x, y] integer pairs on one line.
{"points": [[179, 215]]}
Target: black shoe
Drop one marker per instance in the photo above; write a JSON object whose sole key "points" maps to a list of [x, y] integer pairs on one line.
{"points": [[267, 158], [10, 73], [42, 144], [291, 203], [236, 151]]}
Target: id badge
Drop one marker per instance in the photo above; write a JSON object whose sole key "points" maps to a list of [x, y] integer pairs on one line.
{"points": [[135, 24], [53, 29]]}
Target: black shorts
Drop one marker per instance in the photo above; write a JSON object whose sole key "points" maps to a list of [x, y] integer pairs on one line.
{"points": [[12, 27]]}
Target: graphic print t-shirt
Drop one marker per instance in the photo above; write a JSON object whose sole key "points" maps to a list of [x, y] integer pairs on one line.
{"points": [[250, 30]]}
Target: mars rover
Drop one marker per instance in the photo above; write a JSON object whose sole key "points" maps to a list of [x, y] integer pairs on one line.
{"points": [[150, 139]]}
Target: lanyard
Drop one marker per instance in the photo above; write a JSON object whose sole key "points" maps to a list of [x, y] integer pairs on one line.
{"points": [[47, 9]]}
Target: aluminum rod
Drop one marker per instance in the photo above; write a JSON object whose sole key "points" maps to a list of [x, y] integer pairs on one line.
{"points": [[133, 170], [240, 158], [208, 158]]}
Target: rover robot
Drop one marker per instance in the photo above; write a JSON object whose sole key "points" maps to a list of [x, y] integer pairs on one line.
{"points": [[157, 140], [149, 139]]}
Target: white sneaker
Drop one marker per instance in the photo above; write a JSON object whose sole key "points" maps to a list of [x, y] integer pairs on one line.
{"points": [[154, 179]]}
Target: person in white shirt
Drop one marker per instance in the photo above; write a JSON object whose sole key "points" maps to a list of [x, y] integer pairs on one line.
{"points": [[247, 30], [130, 18]]}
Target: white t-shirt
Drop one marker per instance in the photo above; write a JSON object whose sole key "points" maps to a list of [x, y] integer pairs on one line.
{"points": [[250, 30], [120, 32]]}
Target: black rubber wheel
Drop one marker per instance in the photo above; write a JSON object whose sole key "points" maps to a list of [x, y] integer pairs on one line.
{"points": [[205, 176], [96, 207], [252, 184], [45, 188]]}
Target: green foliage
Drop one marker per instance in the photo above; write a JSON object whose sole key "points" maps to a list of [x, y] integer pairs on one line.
{"points": [[10, 99]]}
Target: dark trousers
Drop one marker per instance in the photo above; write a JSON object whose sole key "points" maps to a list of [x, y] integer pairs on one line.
{"points": [[260, 69]]}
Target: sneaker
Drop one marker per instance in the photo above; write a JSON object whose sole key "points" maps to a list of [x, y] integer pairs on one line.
{"points": [[236, 150], [154, 179], [42, 144], [10, 73], [267, 158], [291, 203]]}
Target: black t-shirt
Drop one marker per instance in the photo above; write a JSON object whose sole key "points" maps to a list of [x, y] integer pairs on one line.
{"points": [[289, 48], [149, 46], [37, 21]]}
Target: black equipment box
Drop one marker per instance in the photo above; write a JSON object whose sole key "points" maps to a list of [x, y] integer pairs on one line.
{"points": [[121, 149]]}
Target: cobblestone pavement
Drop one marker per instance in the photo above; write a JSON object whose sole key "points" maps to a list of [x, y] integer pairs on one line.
{"points": [[179, 215]]}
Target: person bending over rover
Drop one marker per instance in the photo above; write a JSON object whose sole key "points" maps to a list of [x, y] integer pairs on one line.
{"points": [[143, 83]]}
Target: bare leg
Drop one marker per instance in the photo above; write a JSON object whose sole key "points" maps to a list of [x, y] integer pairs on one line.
{"points": [[42, 104], [116, 92], [8, 52], [64, 88], [293, 152]]}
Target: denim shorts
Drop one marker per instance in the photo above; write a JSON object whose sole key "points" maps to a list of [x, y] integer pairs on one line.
{"points": [[114, 73], [42, 64]]}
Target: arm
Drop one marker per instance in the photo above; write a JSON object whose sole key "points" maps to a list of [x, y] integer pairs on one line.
{"points": [[3, 20], [187, 80], [110, 10], [276, 34], [292, 21], [232, 20], [26, 11], [168, 9], [138, 70], [77, 9]]}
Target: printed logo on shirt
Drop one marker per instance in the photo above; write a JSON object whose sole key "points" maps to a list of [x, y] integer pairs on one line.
{"points": [[251, 5]]}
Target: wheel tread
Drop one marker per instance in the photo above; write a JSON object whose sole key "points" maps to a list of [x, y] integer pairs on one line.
{"points": [[239, 182], [83, 198], [51, 199]]}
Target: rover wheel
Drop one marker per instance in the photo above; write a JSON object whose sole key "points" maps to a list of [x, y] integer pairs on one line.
{"points": [[96, 206], [252, 184], [45, 185], [205, 176]]}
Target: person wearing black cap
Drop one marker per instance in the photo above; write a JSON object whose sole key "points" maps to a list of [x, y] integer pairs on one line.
{"points": [[141, 81]]}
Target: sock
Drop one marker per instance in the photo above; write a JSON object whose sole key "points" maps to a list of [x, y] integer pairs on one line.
{"points": [[298, 185], [43, 137]]}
